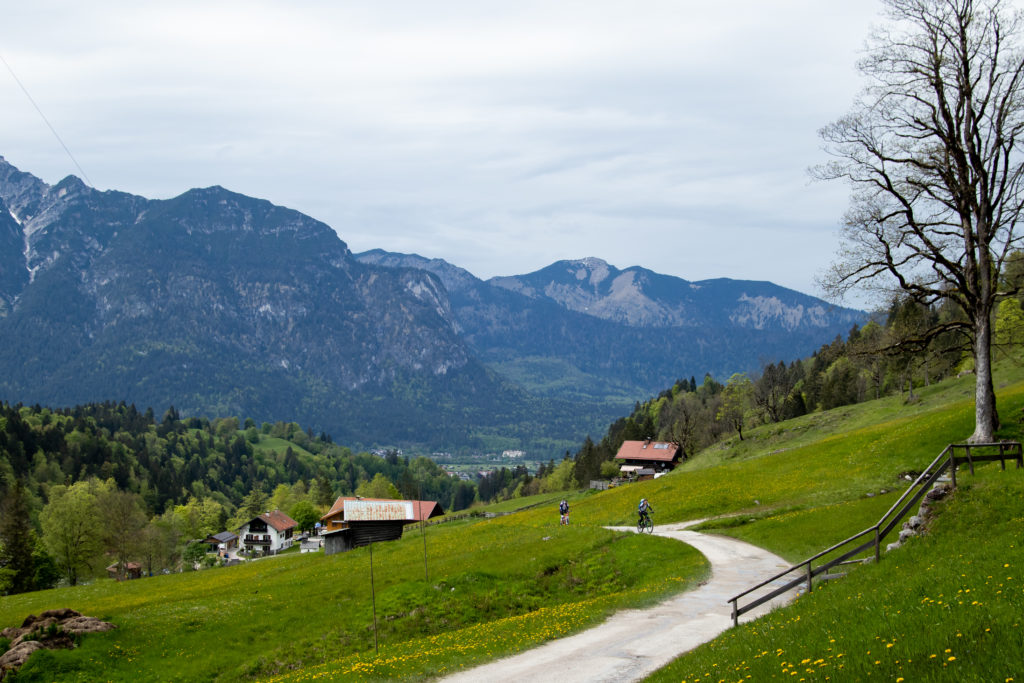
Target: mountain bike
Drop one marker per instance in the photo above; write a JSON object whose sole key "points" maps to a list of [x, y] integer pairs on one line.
{"points": [[645, 524]]}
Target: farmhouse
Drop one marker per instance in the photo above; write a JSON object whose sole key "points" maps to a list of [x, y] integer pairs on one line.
{"points": [[647, 458], [267, 534], [354, 522]]}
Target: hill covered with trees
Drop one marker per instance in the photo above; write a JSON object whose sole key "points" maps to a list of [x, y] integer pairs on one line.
{"points": [[162, 483]]}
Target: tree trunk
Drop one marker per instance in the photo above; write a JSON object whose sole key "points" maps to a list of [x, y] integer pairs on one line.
{"points": [[986, 418]]}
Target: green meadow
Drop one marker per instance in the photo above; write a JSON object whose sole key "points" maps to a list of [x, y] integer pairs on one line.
{"points": [[946, 606], [498, 585]]}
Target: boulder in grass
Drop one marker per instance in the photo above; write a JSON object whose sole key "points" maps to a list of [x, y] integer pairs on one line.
{"points": [[54, 629], [14, 658]]}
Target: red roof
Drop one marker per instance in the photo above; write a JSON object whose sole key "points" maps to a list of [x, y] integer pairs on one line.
{"points": [[421, 509], [661, 451], [279, 520]]}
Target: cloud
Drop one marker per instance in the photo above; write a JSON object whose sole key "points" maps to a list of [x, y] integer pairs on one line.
{"points": [[497, 136]]}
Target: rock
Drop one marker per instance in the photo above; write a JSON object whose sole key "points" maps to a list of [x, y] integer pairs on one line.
{"points": [[14, 658], [937, 493], [53, 630], [905, 534], [892, 546], [82, 624], [63, 613], [915, 522]]}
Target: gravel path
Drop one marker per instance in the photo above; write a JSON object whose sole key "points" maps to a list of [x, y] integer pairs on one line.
{"points": [[632, 643]]}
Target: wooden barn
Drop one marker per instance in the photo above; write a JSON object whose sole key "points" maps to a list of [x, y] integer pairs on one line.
{"points": [[354, 522]]}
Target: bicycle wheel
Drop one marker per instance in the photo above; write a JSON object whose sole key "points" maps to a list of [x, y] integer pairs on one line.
{"points": [[648, 525], [640, 526]]}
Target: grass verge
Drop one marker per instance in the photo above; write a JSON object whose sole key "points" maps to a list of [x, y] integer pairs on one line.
{"points": [[946, 606]]}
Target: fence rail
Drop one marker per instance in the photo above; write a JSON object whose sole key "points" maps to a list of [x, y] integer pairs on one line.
{"points": [[950, 458]]}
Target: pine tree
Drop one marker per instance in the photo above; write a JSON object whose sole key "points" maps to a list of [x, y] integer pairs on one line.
{"points": [[18, 541]]}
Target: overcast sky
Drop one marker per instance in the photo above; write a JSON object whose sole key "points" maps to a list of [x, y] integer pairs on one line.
{"points": [[499, 136]]}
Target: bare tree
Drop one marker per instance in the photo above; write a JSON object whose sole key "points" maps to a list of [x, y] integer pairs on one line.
{"points": [[932, 152]]}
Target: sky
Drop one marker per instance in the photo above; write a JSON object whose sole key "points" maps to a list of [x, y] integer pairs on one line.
{"points": [[498, 136]]}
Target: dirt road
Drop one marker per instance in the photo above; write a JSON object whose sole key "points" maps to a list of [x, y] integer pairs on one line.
{"points": [[632, 643]]}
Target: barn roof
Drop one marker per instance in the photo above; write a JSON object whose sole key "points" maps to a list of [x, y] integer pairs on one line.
{"points": [[421, 509]]}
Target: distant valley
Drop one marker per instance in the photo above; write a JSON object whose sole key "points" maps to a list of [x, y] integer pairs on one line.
{"points": [[221, 304]]}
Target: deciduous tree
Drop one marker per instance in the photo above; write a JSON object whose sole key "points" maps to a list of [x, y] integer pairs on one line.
{"points": [[932, 151], [304, 514], [123, 521], [735, 399], [378, 487], [72, 528]]}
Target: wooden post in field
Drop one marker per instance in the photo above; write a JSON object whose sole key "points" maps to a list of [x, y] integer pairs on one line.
{"points": [[373, 598], [426, 574]]}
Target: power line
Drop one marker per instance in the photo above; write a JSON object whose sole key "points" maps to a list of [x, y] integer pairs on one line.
{"points": [[46, 121]]}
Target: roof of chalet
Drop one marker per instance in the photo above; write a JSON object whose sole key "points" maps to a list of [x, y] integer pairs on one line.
{"points": [[224, 537], [128, 566], [276, 519], [421, 509], [662, 451]]}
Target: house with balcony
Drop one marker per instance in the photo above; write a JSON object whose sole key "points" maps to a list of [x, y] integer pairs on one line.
{"points": [[267, 534], [647, 459]]}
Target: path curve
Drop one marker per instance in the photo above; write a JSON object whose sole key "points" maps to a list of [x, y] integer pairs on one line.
{"points": [[632, 643]]}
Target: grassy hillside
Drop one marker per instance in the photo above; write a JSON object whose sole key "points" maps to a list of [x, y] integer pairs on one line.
{"points": [[504, 584], [947, 606], [818, 459], [516, 581]]}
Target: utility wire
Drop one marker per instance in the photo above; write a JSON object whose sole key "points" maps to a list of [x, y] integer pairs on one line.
{"points": [[46, 121]]}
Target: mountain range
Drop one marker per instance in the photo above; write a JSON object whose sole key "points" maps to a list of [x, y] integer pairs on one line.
{"points": [[222, 304]]}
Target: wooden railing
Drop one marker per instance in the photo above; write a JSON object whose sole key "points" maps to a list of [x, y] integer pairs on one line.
{"points": [[805, 572]]}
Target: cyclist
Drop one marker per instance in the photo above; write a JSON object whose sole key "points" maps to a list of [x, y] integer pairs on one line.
{"points": [[644, 510], [563, 508]]}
